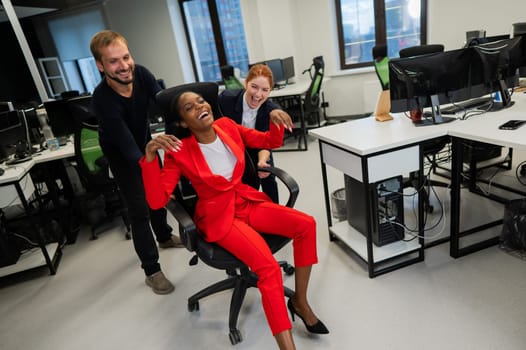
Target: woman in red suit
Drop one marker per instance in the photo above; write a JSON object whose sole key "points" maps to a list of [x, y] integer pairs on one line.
{"points": [[231, 213]]}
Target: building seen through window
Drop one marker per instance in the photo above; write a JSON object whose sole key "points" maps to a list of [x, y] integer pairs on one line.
{"points": [[362, 24], [216, 36]]}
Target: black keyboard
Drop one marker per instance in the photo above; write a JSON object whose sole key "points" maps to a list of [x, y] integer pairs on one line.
{"points": [[470, 104]]}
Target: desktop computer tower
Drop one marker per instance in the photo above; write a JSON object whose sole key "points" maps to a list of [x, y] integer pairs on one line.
{"points": [[387, 208]]}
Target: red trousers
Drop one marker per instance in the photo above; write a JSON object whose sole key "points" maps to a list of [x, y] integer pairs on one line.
{"points": [[247, 245]]}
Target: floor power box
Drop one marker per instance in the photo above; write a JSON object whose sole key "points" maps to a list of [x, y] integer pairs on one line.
{"points": [[387, 208]]}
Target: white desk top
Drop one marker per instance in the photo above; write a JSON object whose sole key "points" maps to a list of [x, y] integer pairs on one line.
{"points": [[366, 136], [485, 127], [17, 171], [297, 88]]}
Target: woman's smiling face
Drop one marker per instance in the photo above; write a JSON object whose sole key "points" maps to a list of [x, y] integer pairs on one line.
{"points": [[195, 112], [257, 91]]}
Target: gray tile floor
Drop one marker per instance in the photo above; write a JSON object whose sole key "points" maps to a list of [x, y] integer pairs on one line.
{"points": [[98, 299]]}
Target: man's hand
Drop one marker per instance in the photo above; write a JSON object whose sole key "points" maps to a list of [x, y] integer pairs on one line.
{"points": [[164, 142]]}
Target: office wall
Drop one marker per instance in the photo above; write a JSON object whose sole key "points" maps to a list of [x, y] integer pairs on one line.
{"points": [[148, 27], [313, 27]]}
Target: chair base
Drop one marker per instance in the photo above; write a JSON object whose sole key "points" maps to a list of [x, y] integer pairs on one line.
{"points": [[239, 282]]}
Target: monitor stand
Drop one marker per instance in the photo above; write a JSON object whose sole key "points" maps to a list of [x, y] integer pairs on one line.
{"points": [[435, 117]]}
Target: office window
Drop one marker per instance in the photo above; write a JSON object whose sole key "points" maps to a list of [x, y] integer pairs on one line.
{"points": [[364, 23], [216, 36]]}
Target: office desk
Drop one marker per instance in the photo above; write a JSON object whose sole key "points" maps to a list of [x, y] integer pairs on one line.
{"points": [[294, 91], [16, 188], [370, 151], [484, 128]]}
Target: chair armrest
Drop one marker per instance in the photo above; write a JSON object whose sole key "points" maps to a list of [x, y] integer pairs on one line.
{"points": [[288, 181], [187, 228]]}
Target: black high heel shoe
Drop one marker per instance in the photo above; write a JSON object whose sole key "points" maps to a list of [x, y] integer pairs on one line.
{"points": [[317, 328]]}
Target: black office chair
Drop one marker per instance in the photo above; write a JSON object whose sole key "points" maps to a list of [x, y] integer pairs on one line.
{"points": [[430, 148], [103, 201], [311, 101], [239, 278]]}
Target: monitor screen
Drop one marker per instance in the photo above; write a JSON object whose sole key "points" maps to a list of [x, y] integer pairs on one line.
{"points": [[12, 132], [60, 118], [495, 65], [6, 106], [277, 71], [413, 80], [288, 67], [454, 76]]}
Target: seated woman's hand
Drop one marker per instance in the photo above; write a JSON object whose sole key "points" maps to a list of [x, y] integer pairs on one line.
{"points": [[164, 142], [280, 117], [263, 174]]}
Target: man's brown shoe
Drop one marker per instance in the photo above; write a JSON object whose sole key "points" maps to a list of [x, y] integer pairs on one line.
{"points": [[173, 242], [159, 283]]}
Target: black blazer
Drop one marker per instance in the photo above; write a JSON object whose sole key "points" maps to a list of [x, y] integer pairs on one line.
{"points": [[231, 105]]}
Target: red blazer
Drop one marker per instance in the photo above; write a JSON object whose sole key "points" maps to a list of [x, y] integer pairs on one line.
{"points": [[215, 208]]}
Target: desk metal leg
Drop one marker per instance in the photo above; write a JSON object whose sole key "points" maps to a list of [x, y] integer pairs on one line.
{"points": [[456, 179], [25, 204]]}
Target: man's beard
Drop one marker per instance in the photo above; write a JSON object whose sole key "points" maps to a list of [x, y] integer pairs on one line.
{"points": [[123, 82]]}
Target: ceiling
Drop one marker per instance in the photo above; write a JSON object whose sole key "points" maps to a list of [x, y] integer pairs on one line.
{"points": [[26, 8]]}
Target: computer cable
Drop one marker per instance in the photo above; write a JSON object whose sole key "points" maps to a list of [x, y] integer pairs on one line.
{"points": [[414, 232]]}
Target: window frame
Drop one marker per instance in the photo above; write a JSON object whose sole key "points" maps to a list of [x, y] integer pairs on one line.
{"points": [[380, 32], [216, 28]]}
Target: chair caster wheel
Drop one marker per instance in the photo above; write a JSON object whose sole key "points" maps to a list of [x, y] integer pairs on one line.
{"points": [[288, 269], [235, 336], [429, 209], [193, 306]]}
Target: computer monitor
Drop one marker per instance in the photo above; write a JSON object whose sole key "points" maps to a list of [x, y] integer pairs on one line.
{"points": [[519, 30], [13, 138], [276, 67], [453, 76], [60, 118], [6, 106], [495, 66], [429, 80], [287, 64]]}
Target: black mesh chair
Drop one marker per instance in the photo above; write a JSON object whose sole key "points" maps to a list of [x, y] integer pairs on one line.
{"points": [[239, 277], [103, 201], [430, 148]]}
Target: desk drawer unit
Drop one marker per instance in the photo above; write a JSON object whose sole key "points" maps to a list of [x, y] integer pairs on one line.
{"points": [[379, 167]]}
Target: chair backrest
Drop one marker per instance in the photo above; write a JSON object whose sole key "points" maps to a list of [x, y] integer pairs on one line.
{"points": [[92, 165], [312, 96], [421, 50], [381, 65], [209, 91], [184, 190]]}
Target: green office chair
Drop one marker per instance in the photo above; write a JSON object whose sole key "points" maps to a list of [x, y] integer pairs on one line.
{"points": [[311, 102], [381, 66], [102, 192], [229, 79]]}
